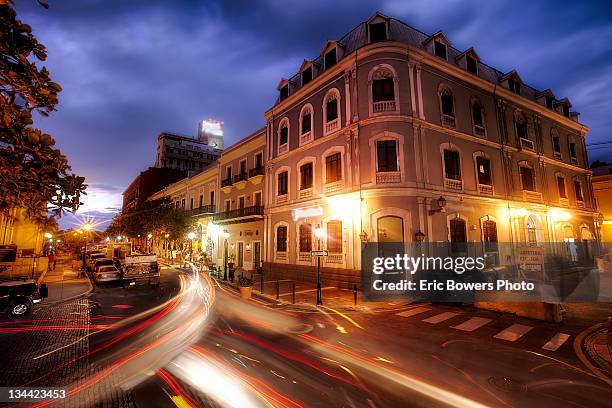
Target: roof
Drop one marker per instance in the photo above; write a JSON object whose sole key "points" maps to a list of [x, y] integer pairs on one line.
{"points": [[404, 33]]}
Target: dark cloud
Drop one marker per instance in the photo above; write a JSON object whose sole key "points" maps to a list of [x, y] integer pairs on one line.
{"points": [[131, 69]]}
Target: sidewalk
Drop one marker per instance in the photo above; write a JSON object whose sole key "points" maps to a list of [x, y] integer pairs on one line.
{"points": [[64, 284]]}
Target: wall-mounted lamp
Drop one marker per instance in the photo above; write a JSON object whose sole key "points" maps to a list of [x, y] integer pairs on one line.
{"points": [[419, 236], [363, 236], [441, 206]]}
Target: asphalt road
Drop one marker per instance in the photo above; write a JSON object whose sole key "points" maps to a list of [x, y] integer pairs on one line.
{"points": [[191, 342]]}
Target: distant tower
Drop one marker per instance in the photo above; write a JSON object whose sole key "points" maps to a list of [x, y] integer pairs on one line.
{"points": [[211, 132]]}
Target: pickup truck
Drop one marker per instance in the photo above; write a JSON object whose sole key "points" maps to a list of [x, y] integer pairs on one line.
{"points": [[18, 296], [140, 268]]}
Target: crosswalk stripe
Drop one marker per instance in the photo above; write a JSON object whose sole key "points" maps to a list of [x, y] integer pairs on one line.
{"points": [[414, 311], [440, 317], [556, 341], [472, 324], [513, 333]]}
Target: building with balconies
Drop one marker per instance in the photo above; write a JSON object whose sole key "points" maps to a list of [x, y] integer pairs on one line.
{"points": [[368, 136]]}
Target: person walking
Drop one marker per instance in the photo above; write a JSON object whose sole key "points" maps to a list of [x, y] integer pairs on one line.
{"points": [[51, 259]]}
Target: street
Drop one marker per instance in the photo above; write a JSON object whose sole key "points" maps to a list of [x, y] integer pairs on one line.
{"points": [[146, 347]]}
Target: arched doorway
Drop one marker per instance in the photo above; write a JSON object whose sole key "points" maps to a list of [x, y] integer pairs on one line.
{"points": [[571, 249]]}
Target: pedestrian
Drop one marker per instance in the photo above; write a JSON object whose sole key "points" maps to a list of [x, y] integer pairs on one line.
{"points": [[51, 259]]}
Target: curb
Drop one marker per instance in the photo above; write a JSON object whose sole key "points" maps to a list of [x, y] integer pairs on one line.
{"points": [[579, 347], [73, 297]]}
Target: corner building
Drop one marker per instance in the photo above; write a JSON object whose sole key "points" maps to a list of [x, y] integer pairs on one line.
{"points": [[370, 136]]}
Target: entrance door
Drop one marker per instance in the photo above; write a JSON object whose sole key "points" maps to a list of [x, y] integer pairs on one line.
{"points": [[240, 254], [458, 236], [390, 235], [256, 254]]}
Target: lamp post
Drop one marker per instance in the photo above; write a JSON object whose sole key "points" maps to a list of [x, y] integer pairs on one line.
{"points": [[191, 237], [166, 243], [149, 242], [225, 236], [87, 227], [319, 233]]}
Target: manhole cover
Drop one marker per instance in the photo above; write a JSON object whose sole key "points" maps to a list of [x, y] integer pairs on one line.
{"points": [[507, 384]]}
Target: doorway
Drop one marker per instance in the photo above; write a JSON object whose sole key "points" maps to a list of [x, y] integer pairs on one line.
{"points": [[256, 254], [240, 254]]}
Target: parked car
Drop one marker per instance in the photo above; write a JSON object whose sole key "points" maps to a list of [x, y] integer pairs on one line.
{"points": [[91, 258], [141, 268], [18, 296], [97, 263], [107, 273]]}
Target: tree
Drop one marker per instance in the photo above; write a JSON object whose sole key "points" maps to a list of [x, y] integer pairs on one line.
{"points": [[34, 175], [157, 217]]}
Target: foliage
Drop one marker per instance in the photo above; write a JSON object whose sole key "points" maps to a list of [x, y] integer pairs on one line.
{"points": [[244, 282], [157, 217], [33, 174]]}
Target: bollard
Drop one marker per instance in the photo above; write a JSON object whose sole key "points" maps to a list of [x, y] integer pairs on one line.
{"points": [[277, 290], [293, 292], [261, 291], [355, 295]]}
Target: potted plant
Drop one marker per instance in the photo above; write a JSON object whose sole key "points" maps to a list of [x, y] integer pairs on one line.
{"points": [[246, 287]]}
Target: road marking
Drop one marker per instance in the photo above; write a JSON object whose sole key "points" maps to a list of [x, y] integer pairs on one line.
{"points": [[556, 341], [472, 324], [513, 333], [441, 317], [413, 312]]}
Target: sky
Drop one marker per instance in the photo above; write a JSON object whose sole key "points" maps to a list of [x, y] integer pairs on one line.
{"points": [[132, 69]]}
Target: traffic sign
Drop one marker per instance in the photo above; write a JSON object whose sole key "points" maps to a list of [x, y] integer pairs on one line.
{"points": [[318, 253]]}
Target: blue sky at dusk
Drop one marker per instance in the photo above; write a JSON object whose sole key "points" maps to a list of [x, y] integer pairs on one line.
{"points": [[132, 69]]}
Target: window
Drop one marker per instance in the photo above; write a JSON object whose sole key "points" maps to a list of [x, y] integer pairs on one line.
{"points": [[572, 152], [334, 237], [201, 200], [378, 32], [306, 76], [478, 118], [561, 187], [566, 111], [281, 239], [578, 188], [305, 176], [550, 102], [448, 108], [283, 135], [556, 146], [176, 204], [228, 173], [527, 178], [440, 49], [383, 90], [521, 127], [306, 124], [183, 203], [489, 235], [191, 204], [228, 205], [472, 64], [458, 235], [330, 58], [243, 169], [284, 92], [452, 165], [386, 153], [212, 198], [333, 168], [257, 199], [241, 202], [331, 109], [514, 86], [305, 238], [283, 183], [483, 166], [532, 233]]}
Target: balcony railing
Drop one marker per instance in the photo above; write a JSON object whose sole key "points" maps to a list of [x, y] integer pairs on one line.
{"points": [[388, 177], [240, 177], [305, 138], [227, 182], [453, 184], [205, 209], [448, 121], [527, 144], [384, 106], [332, 125], [479, 130], [239, 213], [257, 171], [485, 189]]}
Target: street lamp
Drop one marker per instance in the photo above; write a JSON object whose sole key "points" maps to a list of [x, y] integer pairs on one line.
{"points": [[149, 236], [225, 236], [166, 244], [319, 233], [87, 227]]}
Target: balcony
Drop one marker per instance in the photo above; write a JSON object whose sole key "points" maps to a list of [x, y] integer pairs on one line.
{"points": [[283, 148], [558, 155], [388, 177], [245, 214], [485, 189], [574, 160], [305, 193], [579, 203], [526, 144], [334, 187], [240, 180], [480, 131], [226, 185], [383, 106], [532, 195], [452, 184], [281, 199], [305, 138], [203, 210], [332, 126], [448, 121], [256, 175]]}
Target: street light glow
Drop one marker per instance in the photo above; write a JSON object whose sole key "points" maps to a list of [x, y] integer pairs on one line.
{"points": [[226, 234], [48, 235], [150, 236], [87, 226], [191, 235], [319, 232]]}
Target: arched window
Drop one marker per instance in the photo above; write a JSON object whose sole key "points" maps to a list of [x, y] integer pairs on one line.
{"points": [[447, 107], [306, 121], [334, 237], [383, 90], [283, 136], [478, 119], [331, 111], [532, 229], [452, 164]]}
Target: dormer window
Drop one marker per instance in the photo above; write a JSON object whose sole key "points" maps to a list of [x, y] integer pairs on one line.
{"points": [[330, 58], [378, 32], [550, 102], [440, 49], [284, 92], [471, 64], [566, 111], [306, 75], [514, 86]]}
